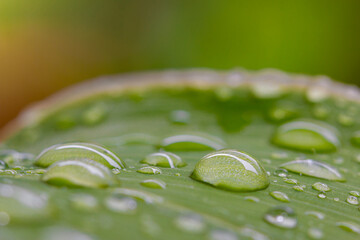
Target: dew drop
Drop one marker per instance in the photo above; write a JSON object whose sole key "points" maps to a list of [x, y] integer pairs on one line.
{"points": [[149, 170], [280, 196], [321, 187], [154, 183], [79, 173], [336, 199], [78, 151], [316, 94], [4, 219], [61, 233], [354, 193], [164, 159], [218, 234], [189, 142], [345, 120], [83, 202], [231, 170], [318, 215], [281, 172], [121, 204], [315, 233], [290, 181], [314, 168], [180, 117], [321, 112], [267, 90], [141, 195], [352, 200], [299, 188], [94, 115], [349, 227], [252, 199], [281, 114], [306, 135], [321, 195], [190, 223], [281, 216]]}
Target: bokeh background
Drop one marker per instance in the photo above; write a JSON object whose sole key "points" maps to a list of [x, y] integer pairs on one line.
{"points": [[48, 45]]}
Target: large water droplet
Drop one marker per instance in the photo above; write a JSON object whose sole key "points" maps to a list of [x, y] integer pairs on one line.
{"points": [[322, 187], [314, 168], [149, 170], [23, 205], [187, 142], [164, 159], [280, 196], [231, 170], [349, 227], [78, 151], [153, 183], [79, 173], [281, 216], [306, 135]]}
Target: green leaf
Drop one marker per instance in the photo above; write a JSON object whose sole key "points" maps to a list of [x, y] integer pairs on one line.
{"points": [[133, 115]]}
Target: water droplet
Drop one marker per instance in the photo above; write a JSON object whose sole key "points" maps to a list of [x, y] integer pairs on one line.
{"points": [[316, 94], [12, 158], [279, 155], [321, 112], [345, 120], [4, 219], [336, 199], [177, 174], [222, 235], [164, 159], [354, 193], [315, 233], [281, 114], [299, 188], [141, 195], [61, 233], [280, 196], [79, 173], [189, 142], [281, 172], [190, 223], [231, 170], [352, 200], [322, 187], [149, 170], [8, 172], [78, 151], [267, 90], [290, 181], [180, 117], [318, 215], [3, 165], [314, 168], [252, 234], [83, 202], [281, 216], [23, 205], [153, 183], [224, 93], [339, 160], [121, 204], [306, 135], [252, 199], [95, 114], [349, 227], [321, 195]]}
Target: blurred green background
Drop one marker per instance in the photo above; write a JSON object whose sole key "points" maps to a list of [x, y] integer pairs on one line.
{"points": [[47, 45]]}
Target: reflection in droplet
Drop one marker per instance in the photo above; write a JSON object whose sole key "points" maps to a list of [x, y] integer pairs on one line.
{"points": [[299, 188], [78, 151], [164, 159], [149, 170], [322, 187], [314, 168], [280, 196], [307, 135], [352, 200], [189, 142], [231, 170], [281, 216]]}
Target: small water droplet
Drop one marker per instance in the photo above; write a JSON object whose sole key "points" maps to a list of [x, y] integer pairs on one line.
{"points": [[352, 200], [349, 227], [177, 174], [345, 120], [322, 187], [321, 112], [318, 215], [290, 181], [266, 90], [95, 114], [121, 204], [180, 117], [61, 233], [321, 195], [281, 216], [190, 223], [354, 193], [307, 135], [219, 234], [164, 159], [224, 93], [336, 199], [280, 196], [315, 233], [316, 94], [279, 155], [281, 114], [314, 168], [78, 151], [252, 199], [299, 188], [231, 170], [4, 219], [281, 172], [149, 170], [153, 183], [187, 142], [79, 173], [141, 195], [83, 202]]}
